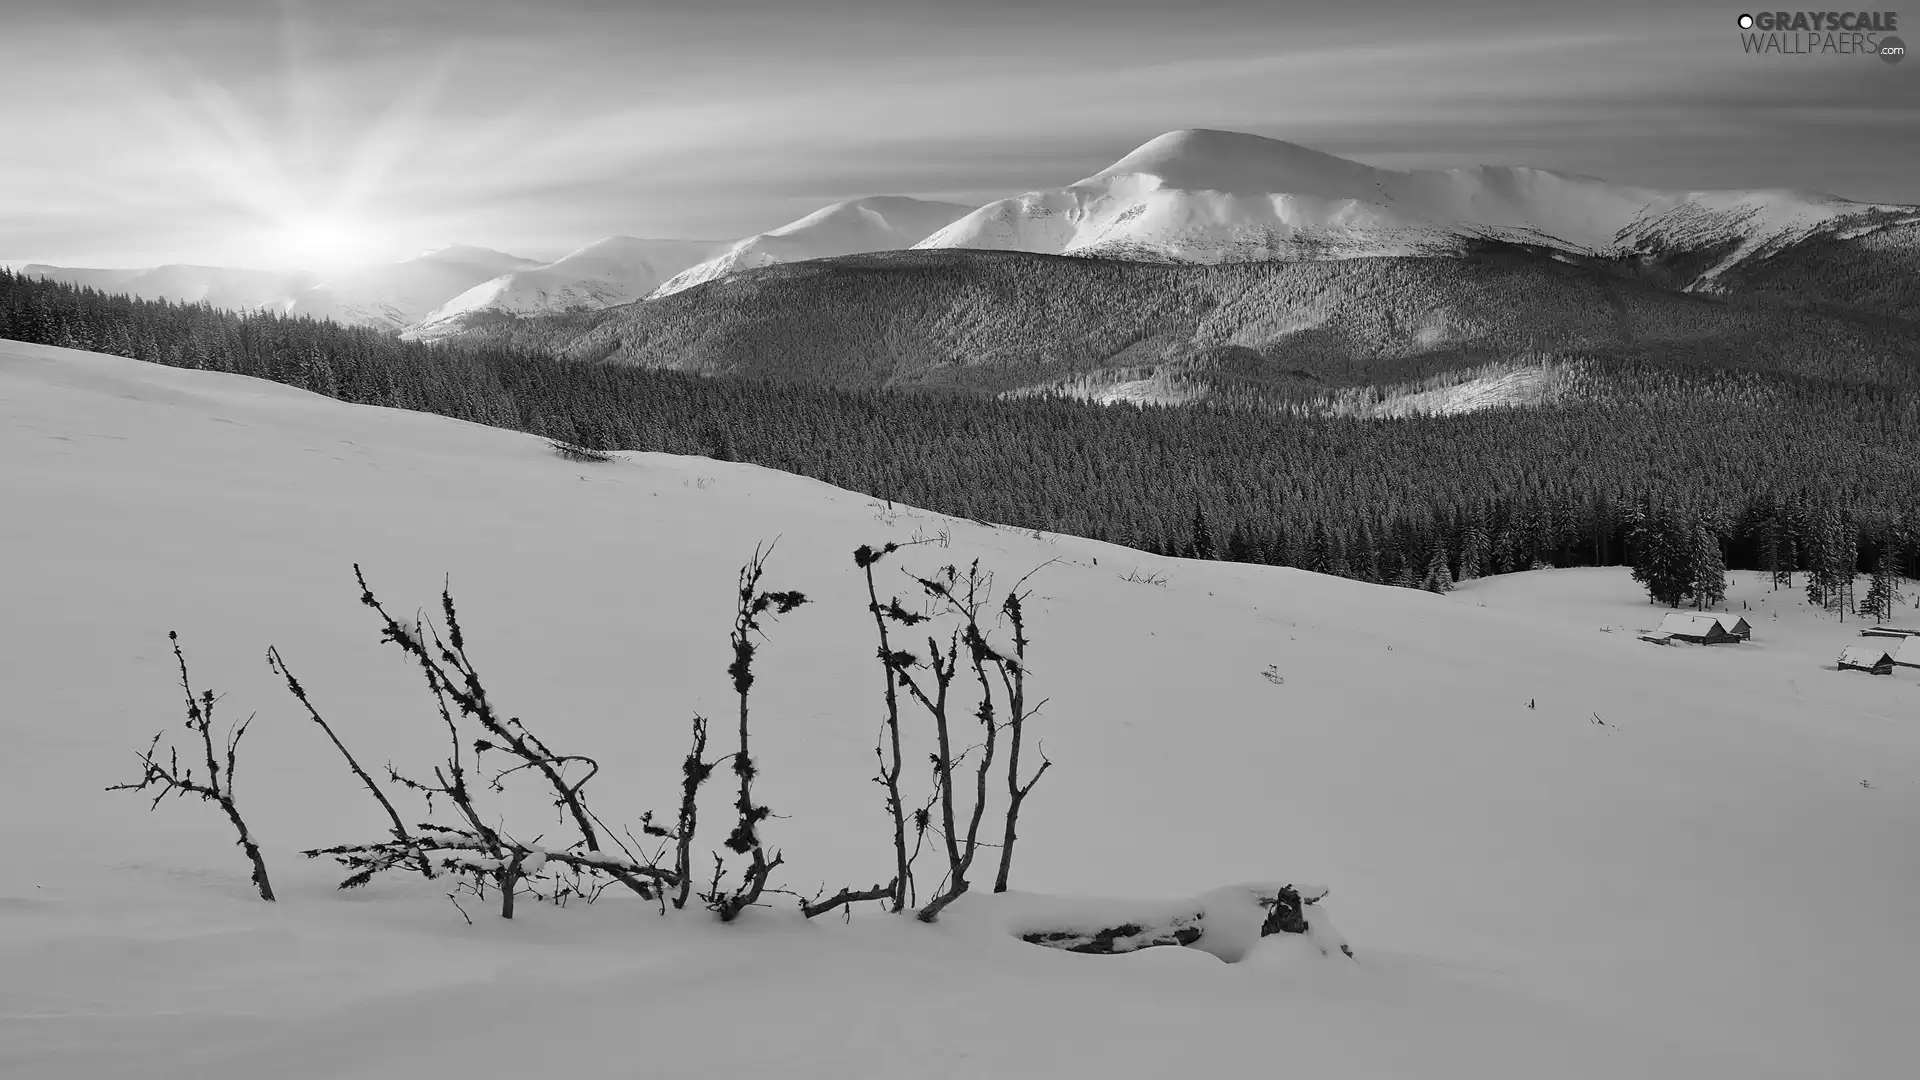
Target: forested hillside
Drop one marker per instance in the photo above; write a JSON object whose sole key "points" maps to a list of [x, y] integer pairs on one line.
{"points": [[1787, 470], [1876, 273], [1005, 321]]}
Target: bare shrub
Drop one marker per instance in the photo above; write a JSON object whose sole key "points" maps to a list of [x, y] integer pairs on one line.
{"points": [[173, 778]]}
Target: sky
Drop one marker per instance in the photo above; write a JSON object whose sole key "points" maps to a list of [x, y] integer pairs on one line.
{"points": [[284, 133]]}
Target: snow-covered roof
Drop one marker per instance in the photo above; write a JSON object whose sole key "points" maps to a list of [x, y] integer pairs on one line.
{"points": [[1690, 623], [1865, 654], [1907, 651]]}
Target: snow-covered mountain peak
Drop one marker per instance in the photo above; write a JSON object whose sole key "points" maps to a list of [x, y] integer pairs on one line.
{"points": [[1201, 195], [471, 253], [612, 270], [1203, 159], [849, 227]]}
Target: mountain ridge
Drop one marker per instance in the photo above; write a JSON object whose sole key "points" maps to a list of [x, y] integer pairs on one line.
{"points": [[848, 227], [1204, 195], [609, 271]]}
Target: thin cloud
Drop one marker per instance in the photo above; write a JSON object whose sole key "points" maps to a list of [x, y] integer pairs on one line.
{"points": [[186, 128]]}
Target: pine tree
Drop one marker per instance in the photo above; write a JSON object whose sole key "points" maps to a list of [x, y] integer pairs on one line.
{"points": [[1201, 546], [1238, 547], [1319, 555], [1365, 554], [1709, 567], [1833, 555], [1439, 577], [1473, 546], [1664, 554], [1883, 592]]}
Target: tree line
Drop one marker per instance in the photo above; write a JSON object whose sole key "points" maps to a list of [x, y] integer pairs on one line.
{"points": [[1413, 501]]}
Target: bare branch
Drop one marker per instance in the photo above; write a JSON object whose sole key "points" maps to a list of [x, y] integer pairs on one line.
{"points": [[847, 897], [172, 779]]}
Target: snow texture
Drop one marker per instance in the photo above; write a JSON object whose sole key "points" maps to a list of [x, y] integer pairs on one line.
{"points": [[1529, 893]]}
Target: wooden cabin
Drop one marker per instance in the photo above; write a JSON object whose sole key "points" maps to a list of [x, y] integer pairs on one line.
{"points": [[1735, 625], [1889, 631], [1704, 627], [1874, 659]]}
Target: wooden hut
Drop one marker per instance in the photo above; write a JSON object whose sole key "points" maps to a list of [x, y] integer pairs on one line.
{"points": [[1703, 627], [1874, 659]]}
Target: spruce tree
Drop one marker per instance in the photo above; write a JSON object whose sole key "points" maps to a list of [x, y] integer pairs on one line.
{"points": [[1439, 577], [1709, 567], [1883, 592], [1239, 549], [1664, 554], [1201, 546]]}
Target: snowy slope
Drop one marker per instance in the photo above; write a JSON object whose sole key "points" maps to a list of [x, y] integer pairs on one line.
{"points": [[395, 295], [228, 287], [1218, 196], [1699, 887], [616, 270], [875, 223]]}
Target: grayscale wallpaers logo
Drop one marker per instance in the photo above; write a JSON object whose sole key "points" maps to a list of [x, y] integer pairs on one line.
{"points": [[1812, 33]]}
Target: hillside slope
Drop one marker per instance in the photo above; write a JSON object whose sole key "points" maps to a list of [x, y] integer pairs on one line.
{"points": [[1573, 889], [1000, 321]]}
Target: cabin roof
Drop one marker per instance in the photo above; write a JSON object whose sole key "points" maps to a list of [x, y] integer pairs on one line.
{"points": [[1690, 623], [1862, 654]]}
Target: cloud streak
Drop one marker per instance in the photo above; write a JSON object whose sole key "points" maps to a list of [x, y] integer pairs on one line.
{"points": [[193, 130]]}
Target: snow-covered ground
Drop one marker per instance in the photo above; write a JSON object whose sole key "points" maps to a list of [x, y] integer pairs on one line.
{"points": [[1679, 862], [1529, 384]]}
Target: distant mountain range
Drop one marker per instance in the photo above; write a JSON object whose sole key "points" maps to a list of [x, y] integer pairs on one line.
{"points": [[616, 270], [390, 296], [1186, 197]]}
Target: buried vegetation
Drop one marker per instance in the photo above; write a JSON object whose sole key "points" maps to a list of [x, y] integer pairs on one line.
{"points": [[968, 688]]}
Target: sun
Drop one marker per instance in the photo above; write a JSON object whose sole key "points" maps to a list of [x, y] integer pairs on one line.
{"points": [[321, 241]]}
